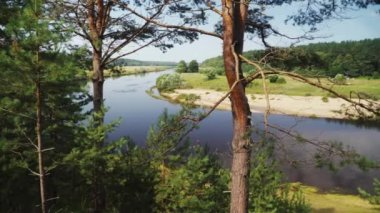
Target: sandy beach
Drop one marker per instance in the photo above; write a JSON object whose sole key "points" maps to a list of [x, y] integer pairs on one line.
{"points": [[306, 106]]}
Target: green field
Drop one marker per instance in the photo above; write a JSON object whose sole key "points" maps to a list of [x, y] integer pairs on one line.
{"points": [[291, 87], [338, 203]]}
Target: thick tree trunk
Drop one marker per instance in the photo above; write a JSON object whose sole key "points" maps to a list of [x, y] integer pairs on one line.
{"points": [[39, 147], [233, 39], [97, 80], [96, 23], [99, 200]]}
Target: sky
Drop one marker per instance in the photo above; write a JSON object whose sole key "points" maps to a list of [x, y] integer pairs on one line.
{"points": [[357, 25]]}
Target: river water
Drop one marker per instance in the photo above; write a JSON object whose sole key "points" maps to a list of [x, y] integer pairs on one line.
{"points": [[126, 98]]}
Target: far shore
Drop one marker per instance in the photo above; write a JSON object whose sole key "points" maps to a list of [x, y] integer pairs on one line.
{"points": [[304, 106], [131, 70]]}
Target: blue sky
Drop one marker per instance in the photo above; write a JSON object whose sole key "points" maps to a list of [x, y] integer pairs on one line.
{"points": [[361, 24]]}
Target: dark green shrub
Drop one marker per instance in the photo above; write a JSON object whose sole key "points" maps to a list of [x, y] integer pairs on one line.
{"points": [[195, 186], [169, 82], [273, 78], [268, 193]]}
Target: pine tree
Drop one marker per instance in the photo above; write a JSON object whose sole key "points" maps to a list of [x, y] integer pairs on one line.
{"points": [[32, 107]]}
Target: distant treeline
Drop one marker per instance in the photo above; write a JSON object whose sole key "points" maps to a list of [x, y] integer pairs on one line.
{"points": [[351, 58], [132, 62]]}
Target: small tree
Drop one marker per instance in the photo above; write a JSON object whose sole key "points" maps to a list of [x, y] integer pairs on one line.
{"points": [[193, 66], [181, 67], [340, 79]]}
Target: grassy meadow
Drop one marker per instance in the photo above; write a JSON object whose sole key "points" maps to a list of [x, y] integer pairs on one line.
{"points": [[291, 87], [327, 202]]}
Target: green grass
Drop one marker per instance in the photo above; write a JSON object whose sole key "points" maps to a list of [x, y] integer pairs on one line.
{"points": [[292, 87], [131, 70], [335, 202]]}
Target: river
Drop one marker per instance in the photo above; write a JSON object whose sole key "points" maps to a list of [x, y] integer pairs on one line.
{"points": [[126, 98]]}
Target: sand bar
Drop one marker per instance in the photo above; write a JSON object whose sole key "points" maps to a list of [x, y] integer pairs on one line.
{"points": [[306, 106]]}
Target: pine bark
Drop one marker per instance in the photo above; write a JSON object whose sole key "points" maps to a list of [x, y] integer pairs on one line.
{"points": [[234, 17], [96, 24], [41, 169], [97, 80]]}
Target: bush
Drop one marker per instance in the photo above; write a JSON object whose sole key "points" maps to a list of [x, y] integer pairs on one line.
{"points": [[195, 186], [267, 191], [169, 82], [276, 79], [325, 99], [273, 78], [188, 99], [210, 74], [340, 79], [181, 67], [281, 80], [375, 75], [375, 198]]}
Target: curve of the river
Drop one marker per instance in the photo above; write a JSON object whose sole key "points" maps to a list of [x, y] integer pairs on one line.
{"points": [[126, 98]]}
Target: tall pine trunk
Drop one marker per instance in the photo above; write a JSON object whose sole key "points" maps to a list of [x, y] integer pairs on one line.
{"points": [[234, 16], [96, 20], [39, 147], [99, 194]]}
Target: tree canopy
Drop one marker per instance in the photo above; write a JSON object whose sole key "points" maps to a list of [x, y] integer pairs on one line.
{"points": [[350, 58]]}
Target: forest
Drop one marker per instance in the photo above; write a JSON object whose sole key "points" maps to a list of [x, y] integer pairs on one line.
{"points": [[350, 58], [56, 153]]}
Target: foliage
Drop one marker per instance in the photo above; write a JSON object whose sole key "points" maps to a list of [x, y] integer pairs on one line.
{"points": [[372, 198], [292, 87], [353, 58], [169, 82], [181, 67], [193, 66], [375, 75], [267, 192], [164, 139], [281, 80], [35, 55], [195, 186], [276, 79], [188, 99], [210, 74], [273, 78], [340, 79], [188, 179]]}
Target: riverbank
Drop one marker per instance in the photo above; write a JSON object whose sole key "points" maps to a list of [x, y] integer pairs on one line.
{"points": [[305, 106], [131, 70]]}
